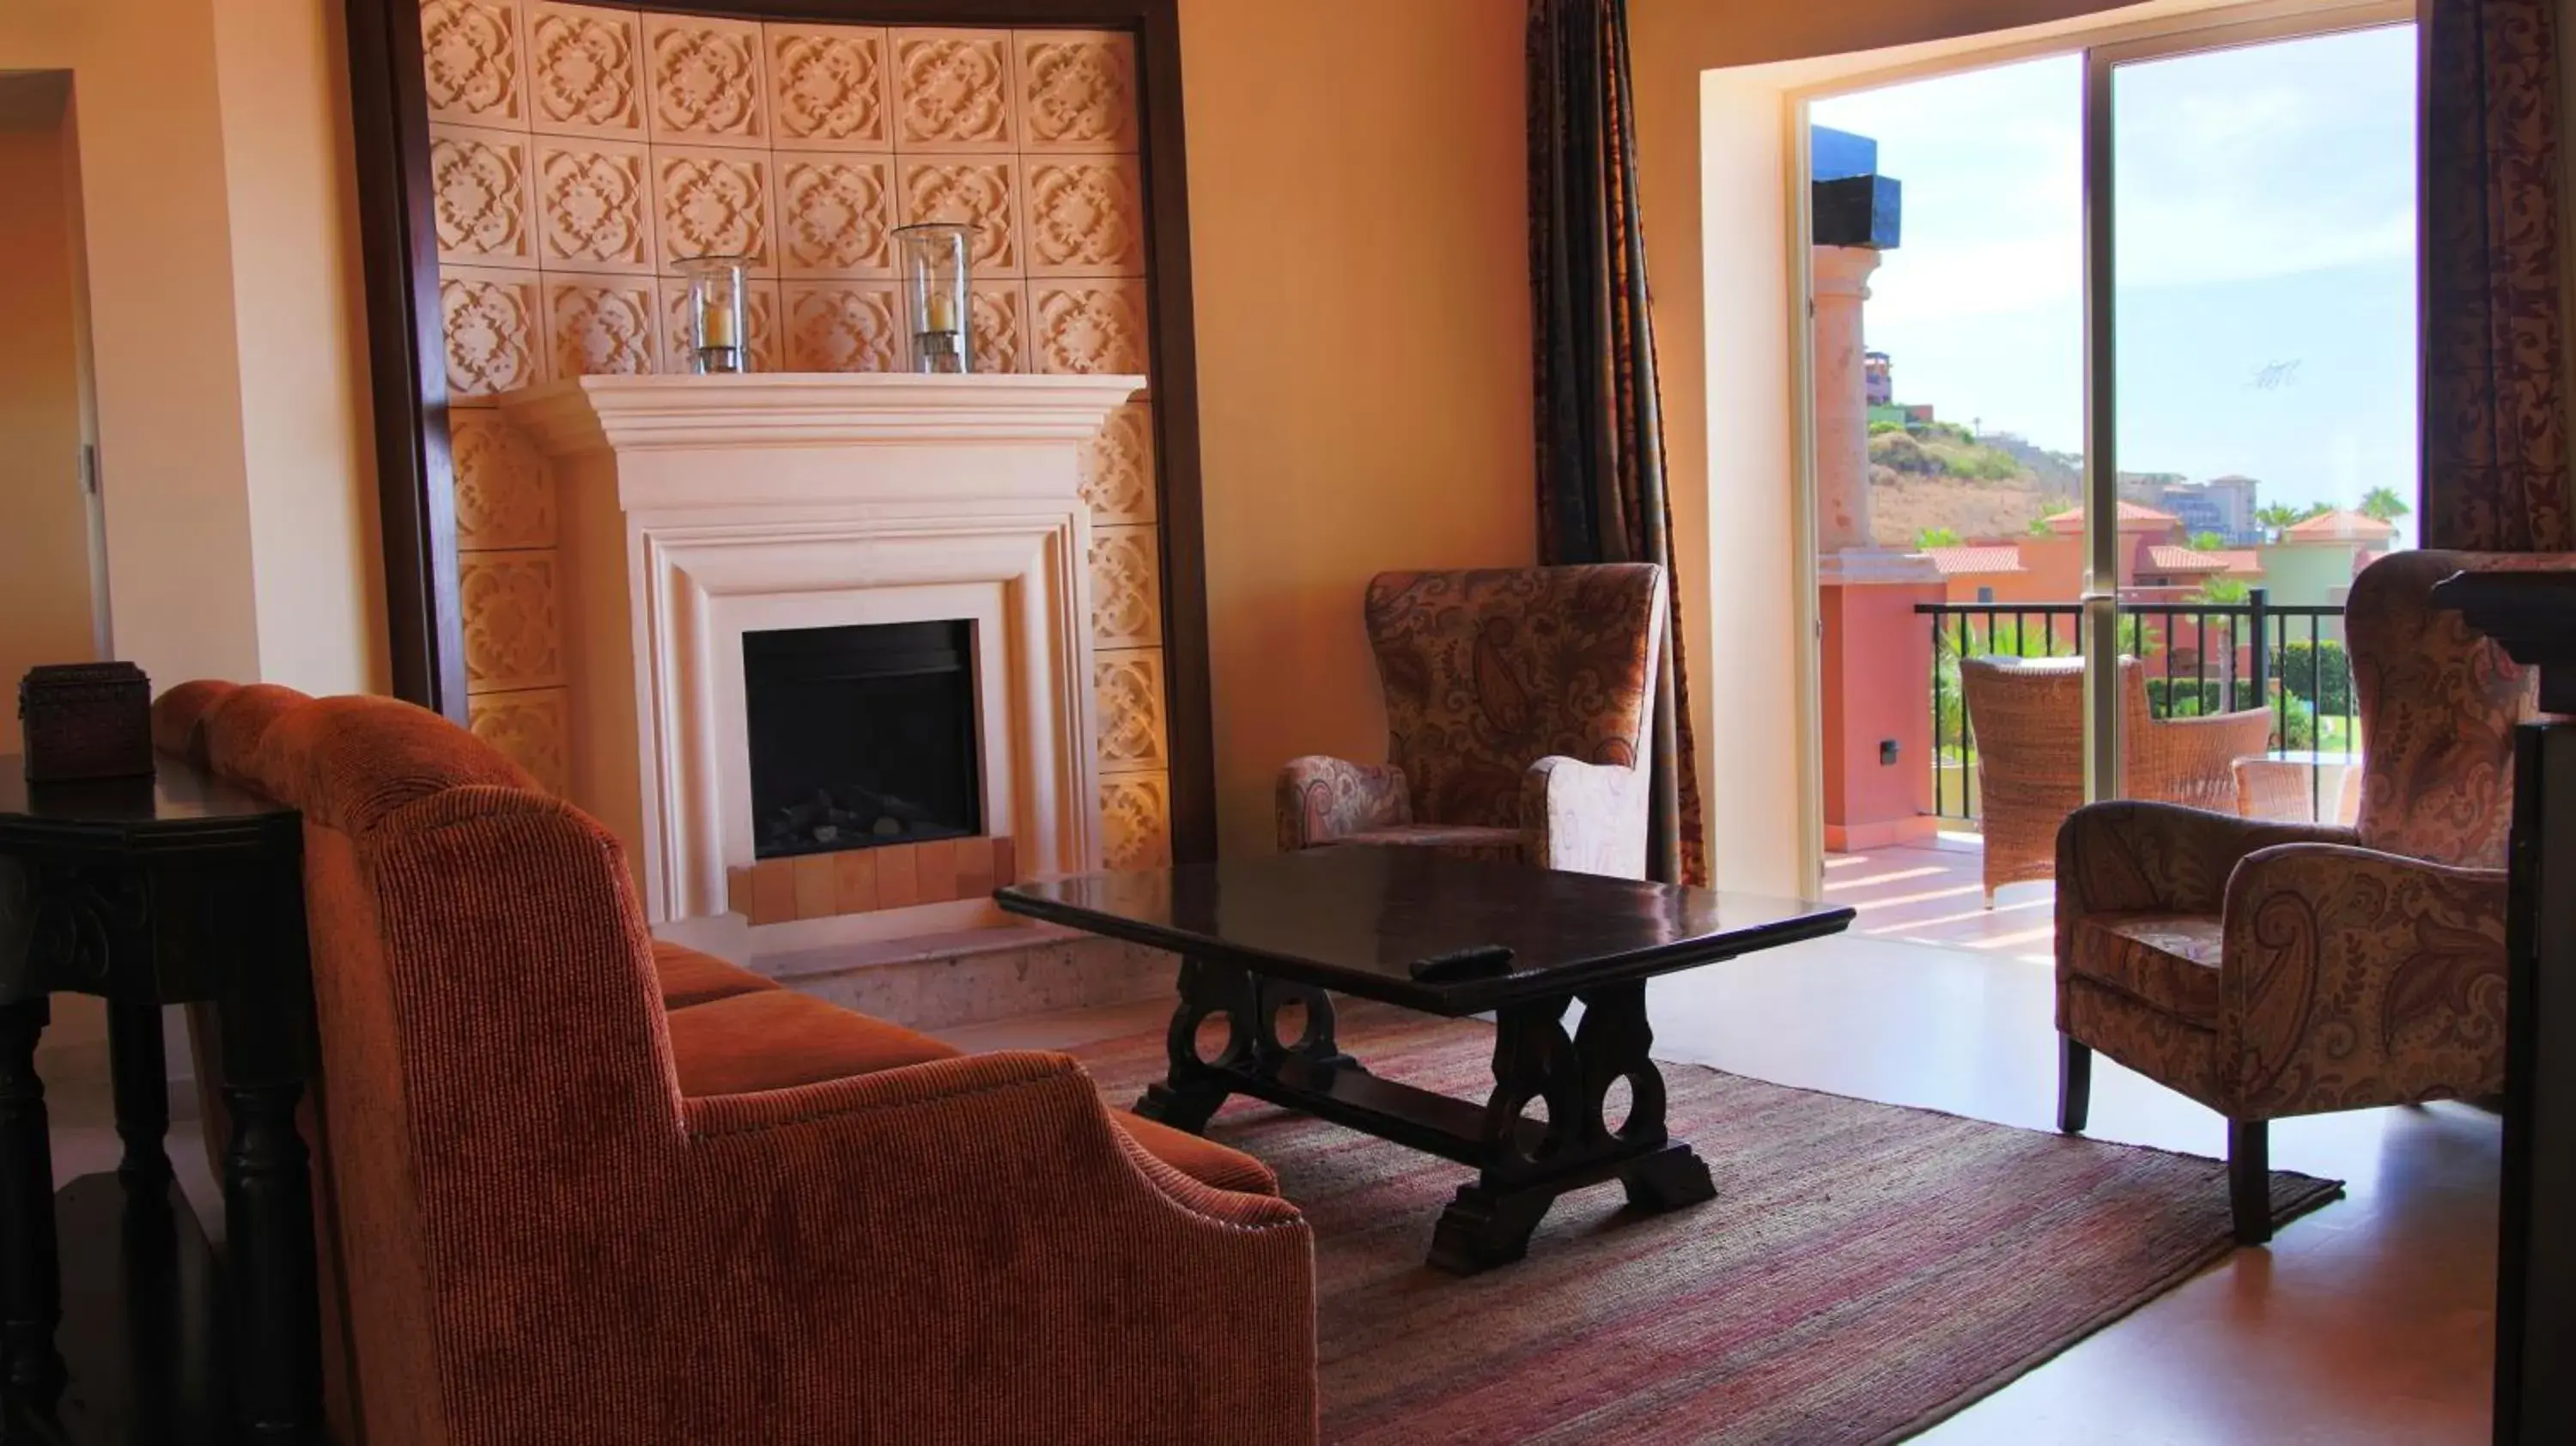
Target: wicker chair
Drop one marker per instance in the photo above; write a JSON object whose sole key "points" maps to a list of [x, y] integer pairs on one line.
{"points": [[2027, 717], [2277, 790]]}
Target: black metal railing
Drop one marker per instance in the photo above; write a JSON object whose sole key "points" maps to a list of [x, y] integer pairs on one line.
{"points": [[2288, 658]]}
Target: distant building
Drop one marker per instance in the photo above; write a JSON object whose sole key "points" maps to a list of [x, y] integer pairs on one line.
{"points": [[2224, 505], [2314, 562], [2167, 565], [1878, 378]]}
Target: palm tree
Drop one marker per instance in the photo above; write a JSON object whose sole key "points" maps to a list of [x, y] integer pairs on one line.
{"points": [[2278, 515], [2382, 504]]}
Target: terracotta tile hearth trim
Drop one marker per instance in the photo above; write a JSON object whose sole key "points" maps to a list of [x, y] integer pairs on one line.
{"points": [[863, 881]]}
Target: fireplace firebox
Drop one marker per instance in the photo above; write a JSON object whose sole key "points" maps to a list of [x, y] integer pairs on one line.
{"points": [[862, 736]]}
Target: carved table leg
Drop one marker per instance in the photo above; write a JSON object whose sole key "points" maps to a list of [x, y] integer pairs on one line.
{"points": [[1528, 1166], [1613, 1042], [1315, 1044], [1192, 1088], [268, 1206], [30, 1283], [142, 1080]]}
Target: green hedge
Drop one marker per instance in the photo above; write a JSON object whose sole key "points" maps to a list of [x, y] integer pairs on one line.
{"points": [[2318, 675], [2185, 697]]}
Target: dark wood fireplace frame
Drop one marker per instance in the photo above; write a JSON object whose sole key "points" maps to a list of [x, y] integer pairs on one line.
{"points": [[407, 348]]}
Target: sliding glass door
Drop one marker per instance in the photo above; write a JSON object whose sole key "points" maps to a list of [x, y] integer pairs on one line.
{"points": [[2114, 373], [2251, 397]]}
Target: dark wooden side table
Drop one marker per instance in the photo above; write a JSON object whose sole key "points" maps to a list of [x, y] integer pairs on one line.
{"points": [[179, 889], [2532, 616]]}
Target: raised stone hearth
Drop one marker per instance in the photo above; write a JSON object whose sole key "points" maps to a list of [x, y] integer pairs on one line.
{"points": [[699, 511]]}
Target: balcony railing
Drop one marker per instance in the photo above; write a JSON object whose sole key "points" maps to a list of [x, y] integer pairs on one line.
{"points": [[2200, 658]]}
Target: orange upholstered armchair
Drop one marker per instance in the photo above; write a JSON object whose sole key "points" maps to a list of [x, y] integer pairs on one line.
{"points": [[1519, 705], [2276, 969], [576, 1187]]}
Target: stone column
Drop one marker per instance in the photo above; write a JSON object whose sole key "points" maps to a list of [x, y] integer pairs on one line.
{"points": [[1842, 398]]}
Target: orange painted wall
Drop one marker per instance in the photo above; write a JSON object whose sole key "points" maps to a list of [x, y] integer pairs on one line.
{"points": [[1877, 676], [1359, 247], [44, 545], [239, 486]]}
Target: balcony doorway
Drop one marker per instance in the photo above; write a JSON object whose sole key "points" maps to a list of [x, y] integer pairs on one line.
{"points": [[2113, 351]]}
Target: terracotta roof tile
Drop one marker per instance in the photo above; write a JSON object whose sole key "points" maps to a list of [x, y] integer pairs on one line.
{"points": [[1976, 561]]}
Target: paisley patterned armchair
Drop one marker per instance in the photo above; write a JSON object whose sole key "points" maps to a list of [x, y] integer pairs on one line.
{"points": [[2275, 969], [1518, 705]]}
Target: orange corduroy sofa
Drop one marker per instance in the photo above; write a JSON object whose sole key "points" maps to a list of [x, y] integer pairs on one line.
{"points": [[577, 1186]]}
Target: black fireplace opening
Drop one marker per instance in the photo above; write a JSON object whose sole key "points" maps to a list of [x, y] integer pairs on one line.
{"points": [[862, 736]]}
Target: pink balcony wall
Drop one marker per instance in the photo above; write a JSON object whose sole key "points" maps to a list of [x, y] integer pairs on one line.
{"points": [[1877, 686]]}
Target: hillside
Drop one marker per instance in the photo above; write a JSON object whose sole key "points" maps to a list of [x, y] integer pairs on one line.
{"points": [[1937, 476], [1902, 508]]}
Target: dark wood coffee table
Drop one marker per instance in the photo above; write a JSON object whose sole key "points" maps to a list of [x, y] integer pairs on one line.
{"points": [[1257, 936]]}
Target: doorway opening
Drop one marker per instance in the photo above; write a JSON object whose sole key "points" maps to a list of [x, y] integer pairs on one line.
{"points": [[2114, 356]]}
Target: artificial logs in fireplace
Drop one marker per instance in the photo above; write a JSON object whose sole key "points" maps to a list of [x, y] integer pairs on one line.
{"points": [[862, 736]]}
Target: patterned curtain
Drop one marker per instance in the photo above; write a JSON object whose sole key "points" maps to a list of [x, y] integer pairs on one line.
{"points": [[1601, 494], [2495, 420]]}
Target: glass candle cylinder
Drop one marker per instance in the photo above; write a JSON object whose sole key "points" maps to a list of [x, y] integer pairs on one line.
{"points": [[719, 321], [934, 294]]}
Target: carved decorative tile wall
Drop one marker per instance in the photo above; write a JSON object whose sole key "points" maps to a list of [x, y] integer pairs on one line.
{"points": [[586, 70], [1084, 216], [704, 75], [1088, 325], [594, 206], [850, 327], [1118, 466], [1077, 91], [829, 88], [493, 322], [953, 90], [1136, 822], [760, 301], [513, 634], [1126, 588], [982, 192], [478, 186], [532, 729], [581, 151], [473, 60], [834, 213], [505, 497], [1128, 687], [1000, 323], [602, 327], [713, 203]]}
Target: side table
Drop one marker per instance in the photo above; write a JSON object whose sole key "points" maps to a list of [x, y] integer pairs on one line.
{"points": [[178, 889]]}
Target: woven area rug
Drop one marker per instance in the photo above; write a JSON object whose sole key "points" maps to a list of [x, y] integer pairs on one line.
{"points": [[1864, 1271]]}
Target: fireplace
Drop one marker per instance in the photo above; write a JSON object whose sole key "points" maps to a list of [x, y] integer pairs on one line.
{"points": [[861, 736], [701, 512]]}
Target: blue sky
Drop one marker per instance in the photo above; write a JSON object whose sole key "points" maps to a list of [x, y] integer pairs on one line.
{"points": [[2265, 204]]}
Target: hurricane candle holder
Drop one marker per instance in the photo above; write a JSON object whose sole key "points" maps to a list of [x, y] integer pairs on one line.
{"points": [[719, 325], [934, 293]]}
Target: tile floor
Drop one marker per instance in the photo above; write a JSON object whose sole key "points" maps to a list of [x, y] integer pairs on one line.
{"points": [[1934, 893], [2370, 1321]]}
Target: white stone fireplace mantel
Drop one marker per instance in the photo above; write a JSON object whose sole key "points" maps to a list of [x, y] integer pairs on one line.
{"points": [[699, 509]]}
